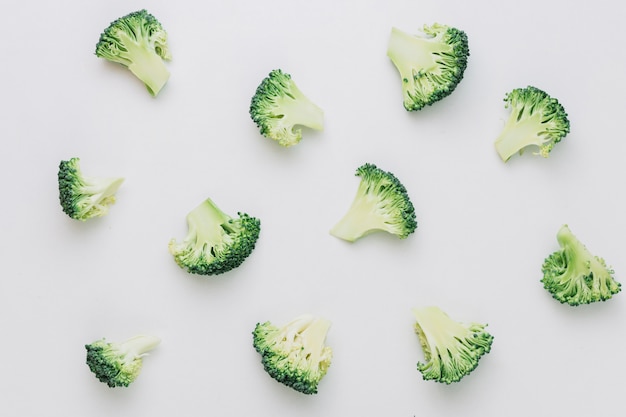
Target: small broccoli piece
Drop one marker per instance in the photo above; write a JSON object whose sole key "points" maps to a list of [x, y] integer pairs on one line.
{"points": [[215, 242], [139, 42], [536, 119], [295, 354], [381, 204], [119, 363], [278, 106], [84, 197], [451, 349], [430, 64], [574, 276]]}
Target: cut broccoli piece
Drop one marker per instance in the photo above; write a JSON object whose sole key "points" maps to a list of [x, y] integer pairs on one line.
{"points": [[119, 363], [215, 242], [536, 119], [84, 197], [430, 64], [278, 106], [381, 204], [451, 349], [295, 354], [139, 42], [574, 276]]}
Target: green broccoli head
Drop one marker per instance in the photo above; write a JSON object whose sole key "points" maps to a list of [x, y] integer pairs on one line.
{"points": [[574, 276], [117, 364], [278, 106], [139, 42], [84, 197], [536, 119], [295, 354], [430, 64], [451, 349], [215, 242], [381, 204]]}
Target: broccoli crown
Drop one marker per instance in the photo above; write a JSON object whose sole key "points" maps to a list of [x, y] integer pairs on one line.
{"points": [[431, 64], [451, 349], [139, 42], [536, 119], [84, 197], [215, 242], [278, 106], [381, 204], [295, 354], [119, 363], [574, 276]]}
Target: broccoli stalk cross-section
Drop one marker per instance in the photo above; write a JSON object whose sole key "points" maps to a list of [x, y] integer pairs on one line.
{"points": [[574, 276], [83, 197], [295, 354], [381, 203], [138, 42], [119, 363], [278, 106], [451, 349], [431, 64], [215, 242]]}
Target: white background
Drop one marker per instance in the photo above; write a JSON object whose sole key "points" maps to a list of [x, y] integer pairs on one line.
{"points": [[484, 226]]}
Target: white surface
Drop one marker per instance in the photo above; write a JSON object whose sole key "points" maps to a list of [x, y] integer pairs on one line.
{"points": [[484, 227]]}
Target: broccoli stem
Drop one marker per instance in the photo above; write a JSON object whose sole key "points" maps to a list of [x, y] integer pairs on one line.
{"points": [[518, 133], [301, 110], [358, 221], [139, 345], [205, 222], [146, 64], [409, 52]]}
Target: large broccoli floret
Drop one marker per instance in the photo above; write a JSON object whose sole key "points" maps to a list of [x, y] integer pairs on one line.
{"points": [[117, 364], [451, 349], [295, 354], [536, 119], [430, 64], [215, 242], [381, 204], [139, 42], [84, 197], [278, 106], [574, 276]]}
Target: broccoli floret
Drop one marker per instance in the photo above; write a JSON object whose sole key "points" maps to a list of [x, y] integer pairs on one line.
{"points": [[119, 363], [451, 349], [139, 42], [381, 204], [574, 276], [278, 106], [430, 64], [295, 354], [84, 197], [215, 242], [536, 119]]}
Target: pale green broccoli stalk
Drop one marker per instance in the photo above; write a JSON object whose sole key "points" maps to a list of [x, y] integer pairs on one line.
{"points": [[278, 106], [431, 64], [536, 120], [117, 364], [381, 203], [574, 276], [295, 354], [451, 349], [215, 242], [139, 42], [83, 197]]}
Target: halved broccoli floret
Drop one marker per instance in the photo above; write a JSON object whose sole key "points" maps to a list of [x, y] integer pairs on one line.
{"points": [[295, 354], [574, 276], [84, 197], [278, 106], [430, 64], [536, 119], [215, 242], [139, 42], [119, 363], [381, 204], [451, 349]]}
